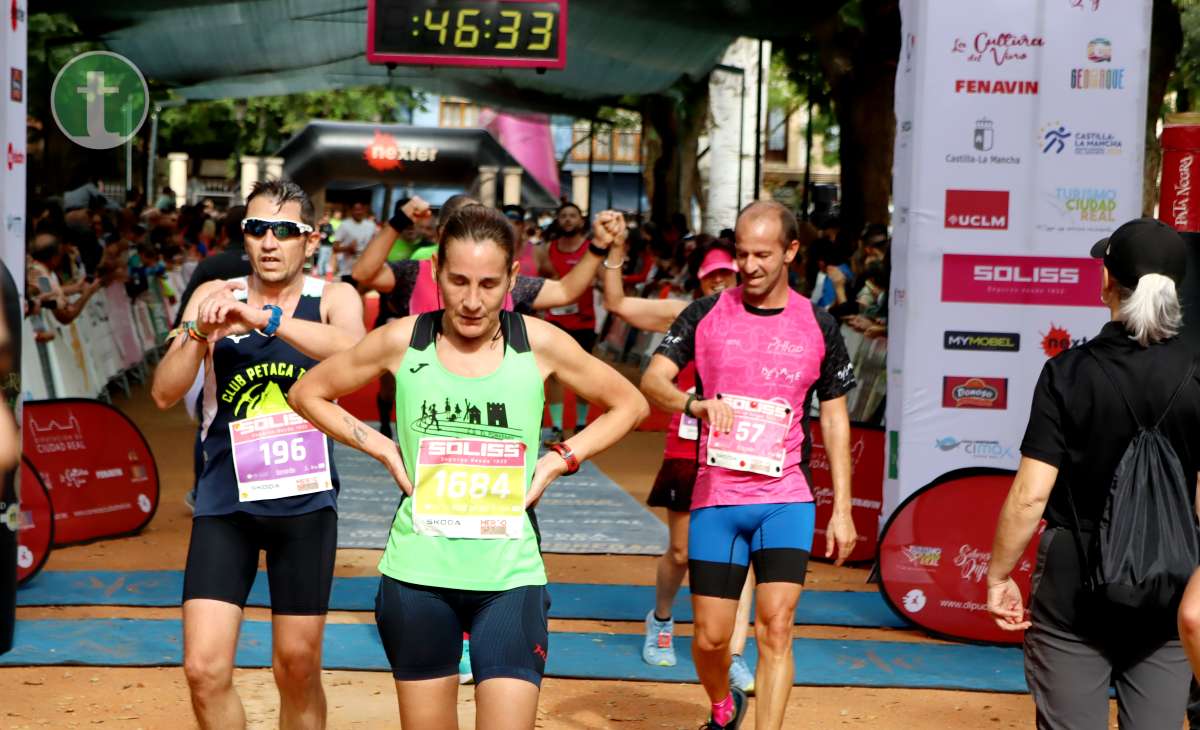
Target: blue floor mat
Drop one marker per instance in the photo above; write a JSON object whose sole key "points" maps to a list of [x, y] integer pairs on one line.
{"points": [[569, 600], [819, 662]]}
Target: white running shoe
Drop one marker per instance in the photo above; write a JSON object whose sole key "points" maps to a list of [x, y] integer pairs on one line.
{"points": [[741, 675], [659, 648]]}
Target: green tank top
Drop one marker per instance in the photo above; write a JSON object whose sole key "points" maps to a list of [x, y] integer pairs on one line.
{"points": [[439, 413]]}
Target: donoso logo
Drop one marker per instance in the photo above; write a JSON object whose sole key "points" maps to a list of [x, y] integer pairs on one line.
{"points": [[1035, 280], [979, 209], [974, 392]]}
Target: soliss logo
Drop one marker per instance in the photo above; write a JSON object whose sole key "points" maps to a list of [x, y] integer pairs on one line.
{"points": [[1026, 275]]}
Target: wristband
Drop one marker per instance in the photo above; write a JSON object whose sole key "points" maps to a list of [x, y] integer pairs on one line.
{"points": [[568, 456], [273, 322], [614, 268], [601, 252], [193, 331], [400, 219], [687, 407]]}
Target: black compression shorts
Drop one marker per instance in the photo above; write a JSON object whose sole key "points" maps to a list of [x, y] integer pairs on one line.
{"points": [[673, 485], [422, 630], [223, 559]]}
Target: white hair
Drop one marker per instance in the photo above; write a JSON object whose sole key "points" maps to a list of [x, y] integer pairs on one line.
{"points": [[1151, 312]]}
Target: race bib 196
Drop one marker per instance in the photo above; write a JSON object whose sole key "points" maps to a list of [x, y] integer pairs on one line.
{"points": [[472, 488], [757, 441], [278, 455]]}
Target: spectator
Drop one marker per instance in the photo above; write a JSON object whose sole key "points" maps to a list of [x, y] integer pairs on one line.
{"points": [[1088, 405], [352, 236], [46, 255], [229, 264]]}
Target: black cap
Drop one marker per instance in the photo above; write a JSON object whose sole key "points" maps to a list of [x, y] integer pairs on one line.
{"points": [[1142, 246]]}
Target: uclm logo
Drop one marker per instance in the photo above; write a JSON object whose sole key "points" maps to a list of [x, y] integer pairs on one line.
{"points": [[1034, 280], [979, 209]]}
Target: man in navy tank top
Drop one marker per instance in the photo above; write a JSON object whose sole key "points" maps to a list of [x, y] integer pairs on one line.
{"points": [[268, 482]]}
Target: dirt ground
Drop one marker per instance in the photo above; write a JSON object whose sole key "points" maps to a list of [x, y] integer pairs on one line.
{"points": [[71, 697]]}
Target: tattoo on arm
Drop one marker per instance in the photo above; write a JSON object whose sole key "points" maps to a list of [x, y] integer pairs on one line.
{"points": [[357, 430]]}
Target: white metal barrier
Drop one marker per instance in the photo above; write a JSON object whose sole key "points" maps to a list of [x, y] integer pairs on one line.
{"points": [[107, 343]]}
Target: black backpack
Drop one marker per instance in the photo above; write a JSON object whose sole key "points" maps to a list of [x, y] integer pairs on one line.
{"points": [[1147, 543]]}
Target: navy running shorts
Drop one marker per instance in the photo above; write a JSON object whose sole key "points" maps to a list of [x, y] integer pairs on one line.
{"points": [[222, 559], [723, 541], [422, 630]]}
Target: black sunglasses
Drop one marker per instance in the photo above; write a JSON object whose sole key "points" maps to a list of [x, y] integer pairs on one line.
{"points": [[283, 230]]}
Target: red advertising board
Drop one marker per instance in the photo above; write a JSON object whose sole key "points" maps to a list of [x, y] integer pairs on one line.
{"points": [[1037, 280], [1180, 200], [866, 489], [934, 554], [35, 524], [96, 464]]}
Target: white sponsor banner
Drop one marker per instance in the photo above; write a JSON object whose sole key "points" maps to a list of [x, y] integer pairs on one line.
{"points": [[1020, 129], [12, 136]]}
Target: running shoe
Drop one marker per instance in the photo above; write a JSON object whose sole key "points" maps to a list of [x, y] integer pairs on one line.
{"points": [[464, 664], [740, 675], [659, 647], [555, 437], [740, 703]]}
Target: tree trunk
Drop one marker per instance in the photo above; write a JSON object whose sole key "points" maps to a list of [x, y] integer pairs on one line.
{"points": [[677, 118], [860, 65], [1166, 40]]}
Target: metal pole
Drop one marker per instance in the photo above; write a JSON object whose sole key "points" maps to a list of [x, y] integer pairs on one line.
{"points": [[150, 158], [758, 124], [128, 153], [741, 141], [808, 134], [641, 162], [591, 161], [612, 153]]}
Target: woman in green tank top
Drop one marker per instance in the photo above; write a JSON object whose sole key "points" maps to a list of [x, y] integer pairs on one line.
{"points": [[463, 550]]}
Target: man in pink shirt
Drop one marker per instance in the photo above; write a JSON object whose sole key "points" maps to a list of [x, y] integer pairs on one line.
{"points": [[761, 352]]}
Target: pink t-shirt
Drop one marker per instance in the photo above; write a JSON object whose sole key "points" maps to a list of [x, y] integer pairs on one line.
{"points": [[782, 356]]}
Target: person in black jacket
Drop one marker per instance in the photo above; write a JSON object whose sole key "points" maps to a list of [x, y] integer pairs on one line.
{"points": [[1079, 428]]}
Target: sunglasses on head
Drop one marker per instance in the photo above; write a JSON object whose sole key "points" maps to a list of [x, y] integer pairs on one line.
{"points": [[283, 230]]}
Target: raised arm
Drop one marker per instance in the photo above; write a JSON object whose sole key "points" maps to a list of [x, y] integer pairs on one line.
{"points": [[177, 370], [370, 270], [654, 315], [561, 292], [593, 380], [314, 394]]}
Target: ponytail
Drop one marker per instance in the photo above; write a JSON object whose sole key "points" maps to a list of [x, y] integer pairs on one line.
{"points": [[1151, 312]]}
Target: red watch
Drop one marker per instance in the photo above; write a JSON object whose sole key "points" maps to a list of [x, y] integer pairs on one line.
{"points": [[568, 456]]}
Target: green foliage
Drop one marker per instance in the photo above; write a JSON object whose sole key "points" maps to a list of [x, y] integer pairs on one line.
{"points": [[1185, 82], [784, 91], [53, 40], [227, 128]]}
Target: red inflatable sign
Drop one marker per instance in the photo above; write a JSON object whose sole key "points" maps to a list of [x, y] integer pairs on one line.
{"points": [[866, 488], [934, 554], [97, 465], [35, 524]]}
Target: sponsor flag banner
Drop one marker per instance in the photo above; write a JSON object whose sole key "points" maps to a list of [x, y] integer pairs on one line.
{"points": [[933, 570], [35, 524], [1019, 144], [102, 478], [866, 463]]}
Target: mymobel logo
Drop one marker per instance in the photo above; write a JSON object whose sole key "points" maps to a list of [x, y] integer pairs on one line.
{"points": [[983, 341], [99, 100]]}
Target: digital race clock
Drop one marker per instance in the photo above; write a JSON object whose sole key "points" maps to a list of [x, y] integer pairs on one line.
{"points": [[491, 33]]}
